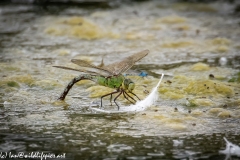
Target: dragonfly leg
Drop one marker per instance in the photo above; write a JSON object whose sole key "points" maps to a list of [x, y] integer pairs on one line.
{"points": [[111, 99], [117, 98], [108, 95], [124, 94], [135, 95]]}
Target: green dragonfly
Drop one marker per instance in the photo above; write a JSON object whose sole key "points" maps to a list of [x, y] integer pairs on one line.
{"points": [[108, 76]]}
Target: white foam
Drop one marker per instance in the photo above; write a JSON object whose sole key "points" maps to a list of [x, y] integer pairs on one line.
{"points": [[231, 149], [140, 105]]}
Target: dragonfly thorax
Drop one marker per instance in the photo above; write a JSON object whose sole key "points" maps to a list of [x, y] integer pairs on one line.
{"points": [[128, 84]]}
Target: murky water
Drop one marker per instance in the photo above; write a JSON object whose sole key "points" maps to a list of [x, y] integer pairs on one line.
{"points": [[196, 46]]}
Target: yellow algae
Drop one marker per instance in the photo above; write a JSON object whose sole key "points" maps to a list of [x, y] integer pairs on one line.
{"points": [[98, 91], [200, 102], [132, 36], [86, 32], [181, 79], [200, 67], [163, 90], [177, 44], [60, 103], [190, 118], [219, 44], [56, 31], [215, 110], [220, 41], [63, 52], [85, 58], [173, 95], [224, 114], [47, 84], [160, 117], [173, 19], [74, 21], [176, 126], [208, 87], [222, 48], [113, 35], [171, 91], [85, 82], [200, 7], [138, 35], [197, 113], [7, 67], [156, 27], [173, 120], [26, 79], [78, 27]]}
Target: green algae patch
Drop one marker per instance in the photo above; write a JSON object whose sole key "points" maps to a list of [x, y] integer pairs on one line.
{"points": [[8, 83], [235, 78], [13, 84], [200, 67], [79, 27], [25, 79], [13, 81], [208, 87]]}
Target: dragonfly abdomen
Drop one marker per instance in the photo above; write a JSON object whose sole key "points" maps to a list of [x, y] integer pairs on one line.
{"points": [[73, 81]]}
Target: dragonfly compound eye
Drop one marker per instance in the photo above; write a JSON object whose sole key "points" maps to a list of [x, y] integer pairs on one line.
{"points": [[128, 85], [131, 86]]}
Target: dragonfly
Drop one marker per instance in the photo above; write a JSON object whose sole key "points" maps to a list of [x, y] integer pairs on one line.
{"points": [[107, 75]]}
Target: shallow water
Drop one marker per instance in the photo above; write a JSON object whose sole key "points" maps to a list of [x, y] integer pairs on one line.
{"points": [[196, 46]]}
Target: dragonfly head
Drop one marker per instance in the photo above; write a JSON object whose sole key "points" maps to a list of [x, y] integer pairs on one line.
{"points": [[128, 84]]}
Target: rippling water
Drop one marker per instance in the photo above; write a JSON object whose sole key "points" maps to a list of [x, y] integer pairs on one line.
{"points": [[195, 45]]}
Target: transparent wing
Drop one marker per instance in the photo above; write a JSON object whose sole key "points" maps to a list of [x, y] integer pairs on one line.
{"points": [[126, 63], [108, 70], [86, 64], [79, 70]]}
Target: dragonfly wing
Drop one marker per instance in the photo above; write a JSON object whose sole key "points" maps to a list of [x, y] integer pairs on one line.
{"points": [[126, 63], [86, 64], [79, 70]]}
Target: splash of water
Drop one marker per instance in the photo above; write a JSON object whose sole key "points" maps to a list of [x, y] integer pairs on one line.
{"points": [[140, 105]]}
